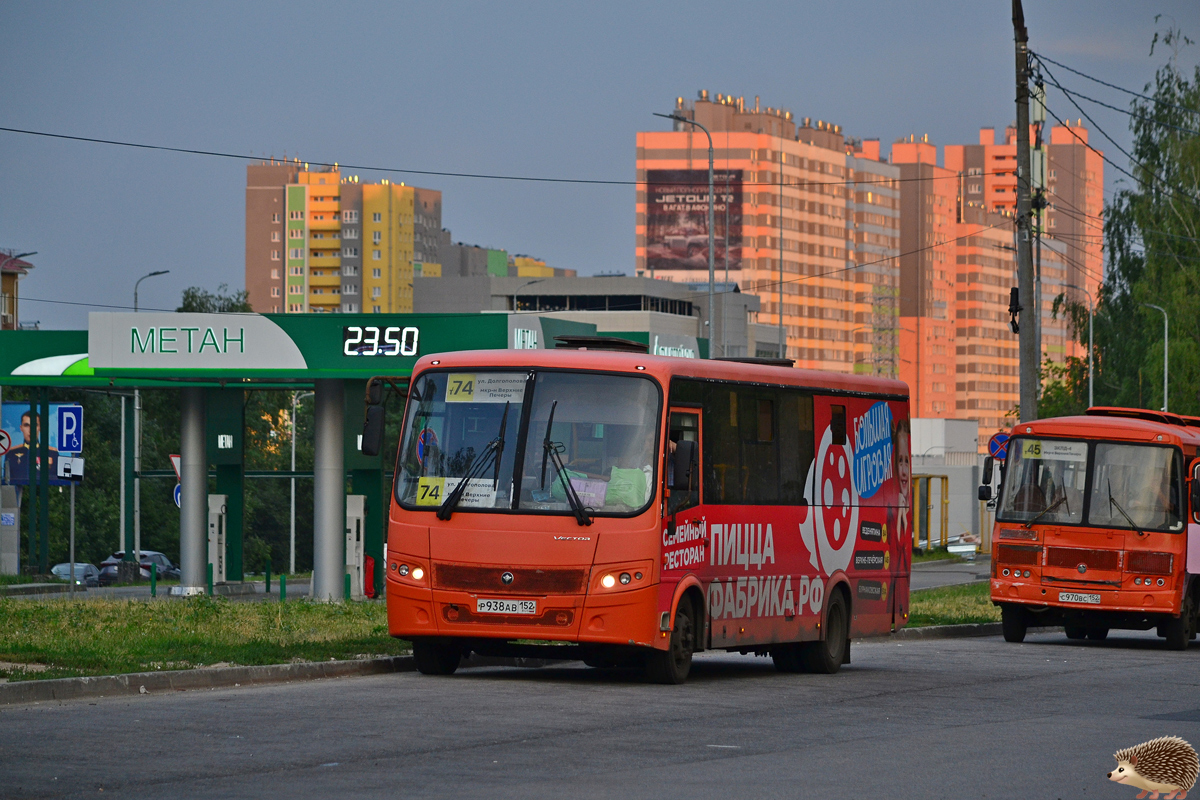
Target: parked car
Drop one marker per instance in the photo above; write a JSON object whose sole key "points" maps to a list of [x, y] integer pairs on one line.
{"points": [[166, 570], [85, 574]]}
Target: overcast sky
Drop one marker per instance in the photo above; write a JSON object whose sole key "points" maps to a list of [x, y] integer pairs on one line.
{"points": [[546, 89]]}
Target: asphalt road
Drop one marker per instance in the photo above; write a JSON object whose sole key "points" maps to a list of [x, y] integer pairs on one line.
{"points": [[948, 573], [952, 718]]}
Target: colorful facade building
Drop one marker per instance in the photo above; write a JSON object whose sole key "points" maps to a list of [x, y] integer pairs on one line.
{"points": [[320, 242], [12, 269], [797, 209]]}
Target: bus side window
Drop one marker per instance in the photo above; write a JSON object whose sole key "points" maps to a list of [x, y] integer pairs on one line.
{"points": [[837, 424], [683, 463]]}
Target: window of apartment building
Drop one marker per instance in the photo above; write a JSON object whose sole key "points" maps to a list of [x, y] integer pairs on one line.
{"points": [[275, 292], [350, 308], [275, 273], [296, 233], [318, 236], [350, 233], [295, 215], [377, 273], [295, 270], [349, 216], [376, 292], [374, 309], [274, 255], [376, 255], [377, 217], [297, 289], [317, 290], [974, 188], [376, 237], [276, 236], [337, 290], [349, 270], [296, 252], [275, 218], [350, 252]]}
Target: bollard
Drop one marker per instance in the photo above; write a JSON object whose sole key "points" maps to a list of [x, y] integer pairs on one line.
{"points": [[282, 588], [153, 579], [347, 591], [210, 586], [268, 589]]}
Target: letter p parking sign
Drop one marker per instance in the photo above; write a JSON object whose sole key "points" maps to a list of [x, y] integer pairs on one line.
{"points": [[70, 429]]}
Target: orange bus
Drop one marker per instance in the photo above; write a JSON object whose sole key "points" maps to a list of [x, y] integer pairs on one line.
{"points": [[1093, 529], [631, 510]]}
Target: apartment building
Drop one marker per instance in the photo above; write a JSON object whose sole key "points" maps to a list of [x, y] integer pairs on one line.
{"points": [[959, 355], [318, 241], [12, 269], [804, 220]]}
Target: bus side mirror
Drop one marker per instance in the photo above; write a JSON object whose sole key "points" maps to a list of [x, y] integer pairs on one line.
{"points": [[1195, 488], [372, 436], [374, 392], [684, 463], [985, 492], [987, 470]]}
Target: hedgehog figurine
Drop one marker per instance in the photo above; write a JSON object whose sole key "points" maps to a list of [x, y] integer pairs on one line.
{"points": [[1168, 764]]}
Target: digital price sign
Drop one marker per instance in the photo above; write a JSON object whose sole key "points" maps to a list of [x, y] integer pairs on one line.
{"points": [[372, 340]]}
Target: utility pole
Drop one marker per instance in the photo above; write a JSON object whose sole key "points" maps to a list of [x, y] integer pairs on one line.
{"points": [[1025, 276]]}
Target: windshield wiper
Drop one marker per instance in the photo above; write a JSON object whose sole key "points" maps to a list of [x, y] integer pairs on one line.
{"points": [[1112, 502], [491, 454], [1048, 509], [552, 451]]}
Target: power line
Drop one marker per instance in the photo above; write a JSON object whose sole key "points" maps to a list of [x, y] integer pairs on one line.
{"points": [[1040, 57], [1066, 91], [472, 175]]}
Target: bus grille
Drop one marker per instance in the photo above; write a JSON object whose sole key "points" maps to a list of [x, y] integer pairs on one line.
{"points": [[1072, 557], [1019, 554], [526, 580]]}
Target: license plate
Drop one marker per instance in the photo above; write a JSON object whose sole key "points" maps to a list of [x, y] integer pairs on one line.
{"points": [[1076, 597], [484, 606]]}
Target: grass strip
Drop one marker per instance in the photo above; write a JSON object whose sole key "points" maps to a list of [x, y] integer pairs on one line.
{"points": [[952, 605], [61, 639]]}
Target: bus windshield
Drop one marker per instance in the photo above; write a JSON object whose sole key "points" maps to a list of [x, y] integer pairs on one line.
{"points": [[475, 425], [1045, 481], [1142, 481], [1131, 486]]}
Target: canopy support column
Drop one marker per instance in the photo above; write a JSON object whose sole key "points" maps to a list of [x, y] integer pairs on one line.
{"points": [[193, 506], [329, 492]]}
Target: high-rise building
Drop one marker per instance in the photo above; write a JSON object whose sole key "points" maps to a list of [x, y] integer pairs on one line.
{"points": [[320, 242], [796, 209], [959, 355]]}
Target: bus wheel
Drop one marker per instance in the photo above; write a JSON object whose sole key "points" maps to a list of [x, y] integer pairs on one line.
{"points": [[1075, 631], [788, 657], [826, 656], [436, 656], [1012, 623], [1178, 631], [671, 666], [1097, 634]]}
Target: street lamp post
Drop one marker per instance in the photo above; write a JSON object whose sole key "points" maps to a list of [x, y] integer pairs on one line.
{"points": [[296, 398], [711, 263], [137, 446], [522, 286], [1166, 342]]}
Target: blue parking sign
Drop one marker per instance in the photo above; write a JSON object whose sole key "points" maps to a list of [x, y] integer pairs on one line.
{"points": [[70, 429]]}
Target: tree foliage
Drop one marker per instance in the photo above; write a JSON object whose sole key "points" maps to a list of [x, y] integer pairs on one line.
{"points": [[1152, 239], [198, 299]]}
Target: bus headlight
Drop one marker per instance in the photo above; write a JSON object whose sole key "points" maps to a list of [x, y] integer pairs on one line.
{"points": [[418, 573], [625, 577], [403, 570], [608, 581]]}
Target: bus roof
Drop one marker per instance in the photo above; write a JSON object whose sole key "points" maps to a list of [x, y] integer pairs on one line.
{"points": [[666, 367], [1133, 424]]}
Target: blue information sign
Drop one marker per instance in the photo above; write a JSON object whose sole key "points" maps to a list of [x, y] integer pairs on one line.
{"points": [[70, 429], [176, 494], [998, 445]]}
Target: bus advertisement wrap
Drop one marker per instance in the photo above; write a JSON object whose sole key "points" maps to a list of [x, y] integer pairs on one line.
{"points": [[677, 219]]}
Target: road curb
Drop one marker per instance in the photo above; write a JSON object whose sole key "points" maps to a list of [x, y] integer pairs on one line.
{"points": [[27, 589], [949, 632], [135, 683]]}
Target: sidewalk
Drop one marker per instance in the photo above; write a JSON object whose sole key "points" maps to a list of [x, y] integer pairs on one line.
{"points": [[949, 573]]}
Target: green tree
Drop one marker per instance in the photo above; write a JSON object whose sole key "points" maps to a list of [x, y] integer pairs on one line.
{"points": [[1152, 238], [221, 301]]}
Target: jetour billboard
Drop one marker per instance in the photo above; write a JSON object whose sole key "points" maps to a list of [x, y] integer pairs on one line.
{"points": [[677, 219]]}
